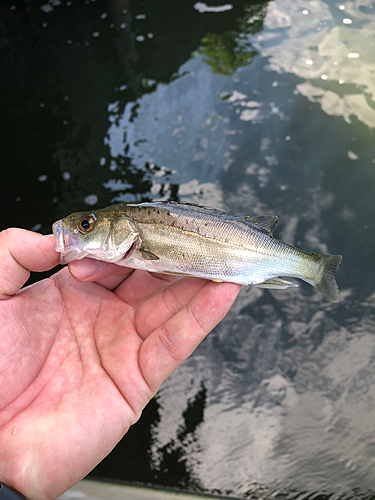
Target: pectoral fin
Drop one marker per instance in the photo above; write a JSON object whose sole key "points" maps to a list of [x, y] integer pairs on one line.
{"points": [[276, 284], [147, 255]]}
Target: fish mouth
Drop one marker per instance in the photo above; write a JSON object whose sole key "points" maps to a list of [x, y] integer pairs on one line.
{"points": [[67, 243]]}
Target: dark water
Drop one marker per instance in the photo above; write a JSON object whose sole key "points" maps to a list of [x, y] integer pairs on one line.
{"points": [[252, 108]]}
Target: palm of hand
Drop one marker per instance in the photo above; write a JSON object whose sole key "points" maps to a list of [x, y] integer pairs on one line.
{"points": [[83, 362]]}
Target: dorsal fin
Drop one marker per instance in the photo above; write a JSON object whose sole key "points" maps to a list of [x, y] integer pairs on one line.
{"points": [[264, 222]]}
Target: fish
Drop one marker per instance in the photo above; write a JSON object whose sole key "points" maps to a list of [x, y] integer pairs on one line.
{"points": [[185, 239]]}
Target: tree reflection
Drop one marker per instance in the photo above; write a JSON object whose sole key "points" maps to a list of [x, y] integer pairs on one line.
{"points": [[224, 53], [228, 51]]}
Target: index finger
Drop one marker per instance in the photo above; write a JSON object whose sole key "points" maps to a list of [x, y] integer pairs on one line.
{"points": [[23, 251]]}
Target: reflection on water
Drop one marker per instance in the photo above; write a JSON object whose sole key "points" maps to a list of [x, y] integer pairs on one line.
{"points": [[251, 108], [335, 59], [226, 52], [289, 408]]}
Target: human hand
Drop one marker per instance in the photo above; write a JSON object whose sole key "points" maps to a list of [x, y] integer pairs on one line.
{"points": [[79, 360]]}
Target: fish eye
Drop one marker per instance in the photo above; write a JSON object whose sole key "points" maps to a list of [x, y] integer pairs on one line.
{"points": [[86, 223]]}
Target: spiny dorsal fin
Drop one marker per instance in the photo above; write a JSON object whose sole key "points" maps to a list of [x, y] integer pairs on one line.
{"points": [[265, 222]]}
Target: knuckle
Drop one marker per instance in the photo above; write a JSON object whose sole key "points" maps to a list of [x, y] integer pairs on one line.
{"points": [[170, 300], [11, 233], [195, 318], [166, 339]]}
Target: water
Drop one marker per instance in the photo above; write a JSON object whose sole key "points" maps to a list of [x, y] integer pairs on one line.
{"points": [[251, 108]]}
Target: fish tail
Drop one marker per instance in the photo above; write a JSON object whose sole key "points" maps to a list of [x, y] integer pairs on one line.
{"points": [[325, 277]]}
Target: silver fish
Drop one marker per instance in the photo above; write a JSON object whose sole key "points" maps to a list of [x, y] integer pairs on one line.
{"points": [[187, 239]]}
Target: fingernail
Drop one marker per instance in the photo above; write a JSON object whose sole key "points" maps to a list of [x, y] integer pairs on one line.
{"points": [[84, 269]]}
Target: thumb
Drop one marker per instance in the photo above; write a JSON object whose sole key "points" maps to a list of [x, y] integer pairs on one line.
{"points": [[23, 251]]}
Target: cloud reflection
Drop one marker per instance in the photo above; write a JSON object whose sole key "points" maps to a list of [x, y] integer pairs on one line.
{"points": [[323, 45], [289, 406]]}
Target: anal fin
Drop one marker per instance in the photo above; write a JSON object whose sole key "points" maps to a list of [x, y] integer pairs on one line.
{"points": [[276, 284]]}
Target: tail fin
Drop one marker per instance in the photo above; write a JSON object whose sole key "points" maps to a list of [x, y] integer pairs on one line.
{"points": [[325, 280]]}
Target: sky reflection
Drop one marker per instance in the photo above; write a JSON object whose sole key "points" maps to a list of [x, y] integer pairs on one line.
{"points": [[314, 43], [295, 416]]}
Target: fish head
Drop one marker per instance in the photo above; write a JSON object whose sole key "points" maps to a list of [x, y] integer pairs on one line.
{"points": [[104, 234]]}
